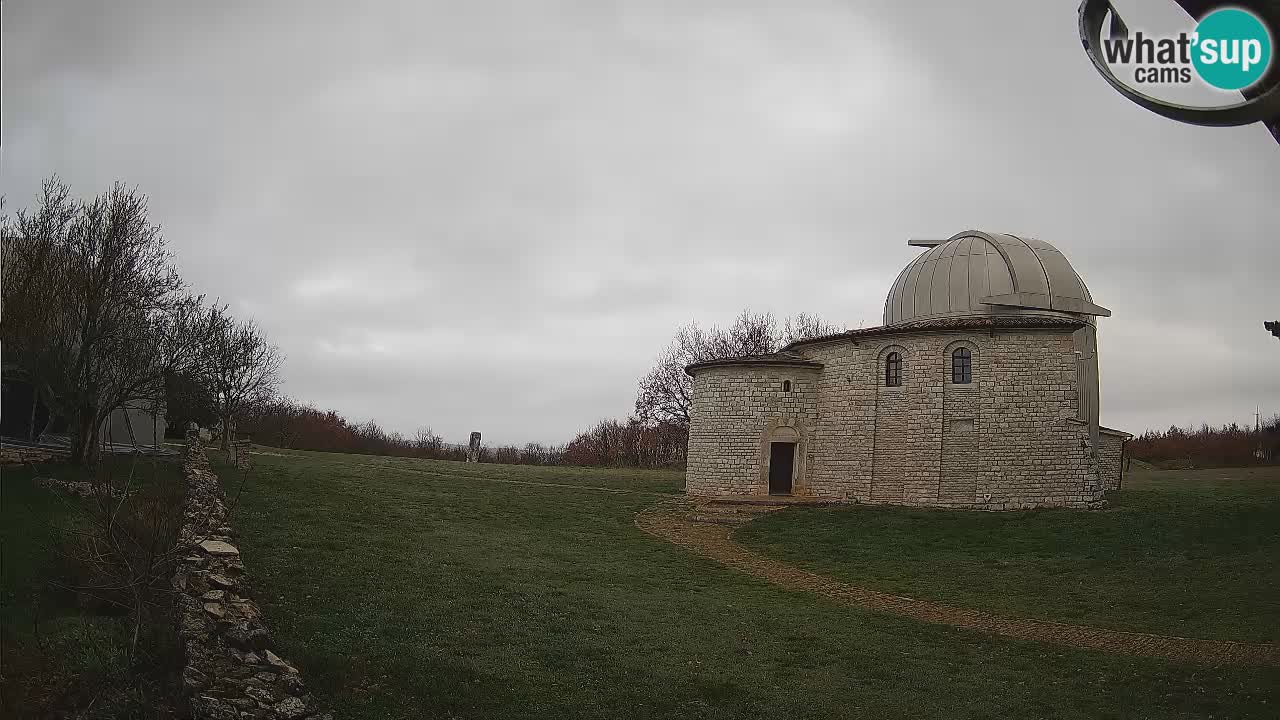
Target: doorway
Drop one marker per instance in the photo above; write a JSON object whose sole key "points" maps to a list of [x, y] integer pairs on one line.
{"points": [[782, 461]]}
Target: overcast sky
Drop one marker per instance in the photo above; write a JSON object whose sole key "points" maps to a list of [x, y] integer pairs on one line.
{"points": [[491, 217]]}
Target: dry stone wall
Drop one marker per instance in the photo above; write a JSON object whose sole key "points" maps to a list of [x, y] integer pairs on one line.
{"points": [[232, 673], [1008, 440], [239, 450], [10, 455]]}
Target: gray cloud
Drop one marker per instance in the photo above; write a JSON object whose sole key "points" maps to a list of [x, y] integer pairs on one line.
{"points": [[492, 216]]}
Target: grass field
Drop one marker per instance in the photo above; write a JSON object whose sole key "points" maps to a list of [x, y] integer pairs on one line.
{"points": [[1190, 553], [411, 588], [57, 655]]}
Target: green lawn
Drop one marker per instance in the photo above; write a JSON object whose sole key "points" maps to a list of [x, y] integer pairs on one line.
{"points": [[1194, 553], [57, 656], [431, 589]]}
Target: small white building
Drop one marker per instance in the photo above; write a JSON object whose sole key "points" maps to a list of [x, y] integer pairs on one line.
{"points": [[139, 423]]}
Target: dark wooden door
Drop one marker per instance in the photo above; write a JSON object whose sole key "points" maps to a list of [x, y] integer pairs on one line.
{"points": [[782, 459]]}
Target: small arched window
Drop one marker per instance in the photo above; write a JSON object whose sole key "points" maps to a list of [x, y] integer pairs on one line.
{"points": [[961, 366], [893, 370], [786, 386]]}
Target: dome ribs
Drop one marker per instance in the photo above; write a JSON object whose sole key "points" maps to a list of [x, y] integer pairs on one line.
{"points": [[977, 274]]}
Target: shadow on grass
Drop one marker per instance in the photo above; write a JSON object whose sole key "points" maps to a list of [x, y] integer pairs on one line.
{"points": [[66, 649]]}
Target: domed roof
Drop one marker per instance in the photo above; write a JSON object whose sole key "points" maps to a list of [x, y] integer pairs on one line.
{"points": [[980, 273]]}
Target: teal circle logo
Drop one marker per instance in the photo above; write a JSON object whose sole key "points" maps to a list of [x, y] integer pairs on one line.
{"points": [[1232, 49]]}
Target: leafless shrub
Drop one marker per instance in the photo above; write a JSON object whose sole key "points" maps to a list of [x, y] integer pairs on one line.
{"points": [[129, 549]]}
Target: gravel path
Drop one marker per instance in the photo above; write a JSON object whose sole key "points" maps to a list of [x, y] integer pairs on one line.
{"points": [[673, 523]]}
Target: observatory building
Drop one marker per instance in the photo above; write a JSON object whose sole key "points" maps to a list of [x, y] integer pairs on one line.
{"points": [[980, 390]]}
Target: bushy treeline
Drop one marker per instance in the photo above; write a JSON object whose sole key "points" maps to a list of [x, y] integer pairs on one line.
{"points": [[629, 443], [1226, 446], [287, 423]]}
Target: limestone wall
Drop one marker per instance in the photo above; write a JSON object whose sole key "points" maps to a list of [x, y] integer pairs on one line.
{"points": [[231, 672], [960, 456], [1010, 439], [735, 411], [1111, 458]]}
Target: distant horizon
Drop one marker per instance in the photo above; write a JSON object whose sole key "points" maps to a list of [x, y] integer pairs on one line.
{"points": [[587, 425]]}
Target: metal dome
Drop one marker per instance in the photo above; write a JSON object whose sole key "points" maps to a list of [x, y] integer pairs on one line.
{"points": [[983, 274]]}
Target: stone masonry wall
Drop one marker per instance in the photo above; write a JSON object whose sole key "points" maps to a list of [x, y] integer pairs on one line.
{"points": [[734, 411], [231, 672], [961, 452], [1009, 439], [1111, 459], [1034, 451]]}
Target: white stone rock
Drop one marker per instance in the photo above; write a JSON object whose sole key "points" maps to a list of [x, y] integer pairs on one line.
{"points": [[218, 547]]}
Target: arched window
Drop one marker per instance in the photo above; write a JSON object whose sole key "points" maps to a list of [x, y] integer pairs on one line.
{"points": [[893, 370], [786, 386], [961, 366]]}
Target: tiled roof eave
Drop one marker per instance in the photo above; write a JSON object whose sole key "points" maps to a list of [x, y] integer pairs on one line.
{"points": [[770, 360], [1015, 322]]}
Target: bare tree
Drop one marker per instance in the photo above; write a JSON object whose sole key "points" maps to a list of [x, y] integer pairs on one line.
{"points": [[665, 394], [240, 368], [182, 335], [88, 287], [805, 326], [31, 260], [427, 442]]}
